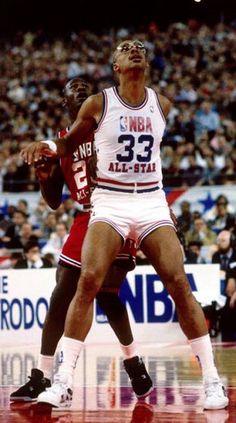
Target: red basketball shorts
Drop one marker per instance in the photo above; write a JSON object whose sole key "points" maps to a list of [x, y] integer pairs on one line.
{"points": [[71, 252]]}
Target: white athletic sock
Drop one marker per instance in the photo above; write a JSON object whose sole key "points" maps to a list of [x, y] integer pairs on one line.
{"points": [[45, 364], [202, 349], [130, 350], [70, 351]]}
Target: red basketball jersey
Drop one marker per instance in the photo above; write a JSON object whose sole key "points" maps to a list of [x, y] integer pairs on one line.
{"points": [[76, 170]]}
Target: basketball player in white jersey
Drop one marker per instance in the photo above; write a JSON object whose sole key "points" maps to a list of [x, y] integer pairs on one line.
{"points": [[129, 121]]}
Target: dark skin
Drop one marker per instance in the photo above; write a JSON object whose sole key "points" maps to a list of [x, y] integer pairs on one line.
{"points": [[51, 179], [161, 246]]}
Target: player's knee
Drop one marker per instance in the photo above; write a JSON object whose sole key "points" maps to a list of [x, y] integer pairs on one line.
{"points": [[111, 304], [179, 289], [89, 283]]}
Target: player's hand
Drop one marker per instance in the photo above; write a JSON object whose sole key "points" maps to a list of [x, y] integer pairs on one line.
{"points": [[44, 168], [92, 163], [35, 151]]}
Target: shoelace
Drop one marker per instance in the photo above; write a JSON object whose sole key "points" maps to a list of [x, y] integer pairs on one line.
{"points": [[58, 387], [213, 388]]}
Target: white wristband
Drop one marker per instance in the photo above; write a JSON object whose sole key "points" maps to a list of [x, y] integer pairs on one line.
{"points": [[51, 144]]}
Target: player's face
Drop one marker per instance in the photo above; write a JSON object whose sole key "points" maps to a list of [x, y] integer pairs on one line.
{"points": [[131, 54], [75, 95]]}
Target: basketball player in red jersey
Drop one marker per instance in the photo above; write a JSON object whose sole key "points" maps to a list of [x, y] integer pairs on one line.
{"points": [[128, 201], [74, 170]]}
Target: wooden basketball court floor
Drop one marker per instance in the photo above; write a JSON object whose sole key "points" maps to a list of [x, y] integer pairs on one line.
{"points": [[103, 394]]}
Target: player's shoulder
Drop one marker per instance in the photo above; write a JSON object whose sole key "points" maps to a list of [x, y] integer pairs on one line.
{"points": [[165, 103], [94, 102]]}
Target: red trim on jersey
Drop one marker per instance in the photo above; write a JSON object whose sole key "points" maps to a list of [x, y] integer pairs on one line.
{"points": [[126, 184]]}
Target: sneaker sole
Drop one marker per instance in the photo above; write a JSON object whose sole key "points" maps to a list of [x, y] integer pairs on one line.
{"points": [[146, 393], [52, 404], [219, 407], [23, 399]]}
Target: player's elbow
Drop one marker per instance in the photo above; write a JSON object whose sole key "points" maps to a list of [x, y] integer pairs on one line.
{"points": [[54, 204]]}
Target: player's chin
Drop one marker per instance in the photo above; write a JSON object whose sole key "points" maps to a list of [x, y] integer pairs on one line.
{"points": [[139, 65]]}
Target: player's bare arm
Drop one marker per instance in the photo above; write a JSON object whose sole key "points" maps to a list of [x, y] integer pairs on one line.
{"points": [[84, 125], [51, 181], [165, 104]]}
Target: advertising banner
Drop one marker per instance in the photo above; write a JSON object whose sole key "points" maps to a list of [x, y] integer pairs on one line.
{"points": [[25, 295]]}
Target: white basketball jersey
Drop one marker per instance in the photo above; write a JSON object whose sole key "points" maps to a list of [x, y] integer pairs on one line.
{"points": [[128, 140]]}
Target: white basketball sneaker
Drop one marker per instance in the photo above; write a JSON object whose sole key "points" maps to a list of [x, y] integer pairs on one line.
{"points": [[215, 396], [59, 394]]}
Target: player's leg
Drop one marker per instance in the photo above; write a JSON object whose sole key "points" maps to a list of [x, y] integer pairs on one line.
{"points": [[95, 264], [109, 299], [163, 250], [53, 328], [110, 302], [66, 283]]}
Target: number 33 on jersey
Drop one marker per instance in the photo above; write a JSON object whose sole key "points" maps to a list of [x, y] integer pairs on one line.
{"points": [[128, 140]]}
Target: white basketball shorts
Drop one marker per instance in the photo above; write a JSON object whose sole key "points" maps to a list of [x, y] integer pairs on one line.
{"points": [[131, 215]]}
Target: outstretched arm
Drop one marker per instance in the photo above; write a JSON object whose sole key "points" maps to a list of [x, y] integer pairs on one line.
{"points": [[84, 125]]}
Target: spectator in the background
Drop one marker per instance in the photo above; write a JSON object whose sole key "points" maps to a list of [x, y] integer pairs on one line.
{"points": [[27, 234], [56, 241], [185, 218], [193, 172], [226, 252], [220, 217], [32, 259], [50, 257], [5, 224], [14, 180], [39, 214], [49, 225], [200, 232], [183, 68], [195, 248], [69, 212], [12, 235], [10, 262], [23, 206], [189, 256], [206, 119], [228, 313]]}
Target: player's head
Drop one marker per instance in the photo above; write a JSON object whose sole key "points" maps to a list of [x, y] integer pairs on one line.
{"points": [[75, 93], [129, 54]]}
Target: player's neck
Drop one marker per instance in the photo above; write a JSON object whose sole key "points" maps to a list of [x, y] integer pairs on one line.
{"points": [[133, 92]]}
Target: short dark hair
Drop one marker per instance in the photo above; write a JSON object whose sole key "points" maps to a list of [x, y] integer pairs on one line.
{"points": [[195, 243], [222, 199], [30, 244]]}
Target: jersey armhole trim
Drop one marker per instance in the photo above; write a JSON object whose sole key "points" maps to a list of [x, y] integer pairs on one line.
{"points": [[104, 112], [159, 107]]}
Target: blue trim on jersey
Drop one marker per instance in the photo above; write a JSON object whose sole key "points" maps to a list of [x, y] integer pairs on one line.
{"points": [[131, 191]]}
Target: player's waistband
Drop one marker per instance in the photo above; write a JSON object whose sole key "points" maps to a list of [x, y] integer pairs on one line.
{"points": [[129, 187]]}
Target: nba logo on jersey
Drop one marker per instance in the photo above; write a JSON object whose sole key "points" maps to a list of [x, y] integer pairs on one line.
{"points": [[123, 123], [60, 358]]}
